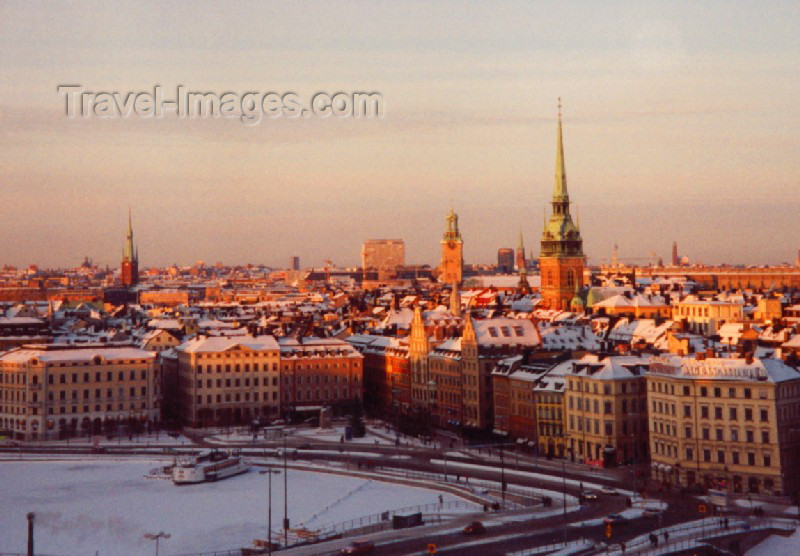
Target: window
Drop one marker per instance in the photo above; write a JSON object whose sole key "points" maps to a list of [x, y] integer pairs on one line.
{"points": [[750, 436], [706, 455], [687, 411], [732, 414], [717, 412], [688, 432], [751, 458], [703, 391], [767, 460], [748, 414], [765, 437], [734, 435], [747, 393], [689, 454], [705, 434], [721, 456], [719, 434], [717, 393], [731, 392], [607, 408], [735, 457], [704, 412], [764, 415], [686, 391]]}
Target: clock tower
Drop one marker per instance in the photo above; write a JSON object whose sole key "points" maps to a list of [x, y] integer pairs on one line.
{"points": [[452, 258]]}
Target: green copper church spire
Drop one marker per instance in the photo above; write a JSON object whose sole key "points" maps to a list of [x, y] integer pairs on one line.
{"points": [[560, 187], [129, 253]]}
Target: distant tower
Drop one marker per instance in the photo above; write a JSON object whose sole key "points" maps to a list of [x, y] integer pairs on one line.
{"points": [[452, 252], [615, 257], [561, 260], [675, 261], [521, 253], [130, 258], [295, 263]]}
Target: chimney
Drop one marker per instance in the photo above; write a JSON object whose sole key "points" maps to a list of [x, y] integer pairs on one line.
{"points": [[748, 358]]}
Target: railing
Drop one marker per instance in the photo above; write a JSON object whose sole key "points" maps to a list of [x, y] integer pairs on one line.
{"points": [[385, 518], [707, 528]]}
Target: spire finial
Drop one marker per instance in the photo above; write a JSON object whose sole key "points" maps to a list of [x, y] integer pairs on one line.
{"points": [[559, 108]]}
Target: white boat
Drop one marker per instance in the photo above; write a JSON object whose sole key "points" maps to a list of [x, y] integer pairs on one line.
{"points": [[208, 465]]}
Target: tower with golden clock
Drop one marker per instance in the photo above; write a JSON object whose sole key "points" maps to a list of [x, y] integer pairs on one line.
{"points": [[450, 270]]}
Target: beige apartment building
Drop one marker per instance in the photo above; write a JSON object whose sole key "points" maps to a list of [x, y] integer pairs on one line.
{"points": [[705, 317], [731, 424], [51, 390], [228, 379], [606, 411]]}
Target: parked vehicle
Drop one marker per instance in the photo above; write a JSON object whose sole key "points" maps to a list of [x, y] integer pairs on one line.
{"points": [[358, 547], [609, 491], [615, 519], [652, 512], [474, 528]]}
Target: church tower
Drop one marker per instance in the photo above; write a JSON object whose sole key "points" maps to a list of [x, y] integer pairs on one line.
{"points": [[130, 258], [521, 262], [561, 259], [452, 257]]}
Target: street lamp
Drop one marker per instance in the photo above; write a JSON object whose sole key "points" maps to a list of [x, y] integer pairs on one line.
{"points": [[270, 472], [156, 537], [30, 516], [285, 496]]}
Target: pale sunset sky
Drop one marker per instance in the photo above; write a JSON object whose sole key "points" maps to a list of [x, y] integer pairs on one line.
{"points": [[681, 122]]}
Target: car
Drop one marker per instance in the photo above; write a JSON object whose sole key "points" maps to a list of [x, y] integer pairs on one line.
{"points": [[304, 446], [358, 547], [590, 496], [615, 519], [652, 512], [474, 528], [609, 490]]}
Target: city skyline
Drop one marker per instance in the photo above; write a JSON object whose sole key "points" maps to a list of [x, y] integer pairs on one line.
{"points": [[678, 126]]}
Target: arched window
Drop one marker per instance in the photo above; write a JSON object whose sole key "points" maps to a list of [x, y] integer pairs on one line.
{"points": [[570, 278]]}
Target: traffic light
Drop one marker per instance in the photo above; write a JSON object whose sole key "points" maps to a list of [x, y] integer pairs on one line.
{"points": [[608, 530]]}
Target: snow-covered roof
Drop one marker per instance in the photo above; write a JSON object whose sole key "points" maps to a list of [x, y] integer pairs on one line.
{"points": [[618, 367], [69, 354], [505, 331], [217, 344], [563, 337], [758, 369]]}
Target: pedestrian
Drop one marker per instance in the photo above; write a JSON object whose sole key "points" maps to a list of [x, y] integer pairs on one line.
{"points": [[726, 523], [666, 537], [622, 546], [441, 500]]}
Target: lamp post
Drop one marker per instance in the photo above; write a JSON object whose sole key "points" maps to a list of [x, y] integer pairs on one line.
{"points": [[564, 487], [502, 477], [156, 537], [285, 496], [30, 516], [269, 473]]}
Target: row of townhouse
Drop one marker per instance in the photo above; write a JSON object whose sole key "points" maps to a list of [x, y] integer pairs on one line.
{"points": [[724, 423], [239, 379]]}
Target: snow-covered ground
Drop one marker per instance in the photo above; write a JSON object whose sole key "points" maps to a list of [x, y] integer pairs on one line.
{"points": [[776, 544], [105, 507]]}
